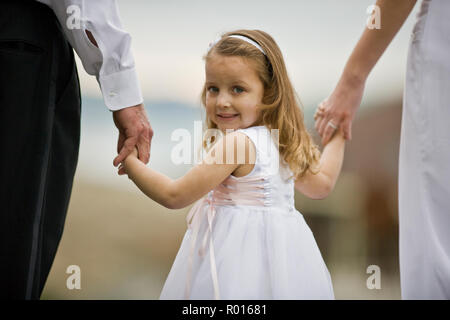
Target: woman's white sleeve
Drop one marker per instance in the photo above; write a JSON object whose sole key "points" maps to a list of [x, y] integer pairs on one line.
{"points": [[112, 62]]}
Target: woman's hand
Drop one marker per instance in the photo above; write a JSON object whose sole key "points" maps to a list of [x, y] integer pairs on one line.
{"points": [[338, 111]]}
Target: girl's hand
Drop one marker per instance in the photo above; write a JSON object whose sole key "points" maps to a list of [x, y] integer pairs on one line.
{"points": [[122, 170], [135, 152]]}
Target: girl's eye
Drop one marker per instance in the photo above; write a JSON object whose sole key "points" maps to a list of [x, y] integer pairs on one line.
{"points": [[238, 90], [213, 89]]}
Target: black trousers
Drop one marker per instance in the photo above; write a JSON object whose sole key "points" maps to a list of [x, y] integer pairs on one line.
{"points": [[40, 110]]}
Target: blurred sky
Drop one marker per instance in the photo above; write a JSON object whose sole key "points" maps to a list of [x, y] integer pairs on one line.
{"points": [[316, 37]]}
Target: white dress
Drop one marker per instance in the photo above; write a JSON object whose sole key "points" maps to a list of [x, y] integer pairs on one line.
{"points": [[424, 168], [252, 242]]}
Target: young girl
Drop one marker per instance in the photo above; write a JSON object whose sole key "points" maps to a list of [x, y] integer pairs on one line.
{"points": [[253, 244]]}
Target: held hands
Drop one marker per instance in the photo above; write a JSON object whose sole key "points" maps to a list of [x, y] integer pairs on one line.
{"points": [[338, 111], [122, 167], [135, 135], [318, 117]]}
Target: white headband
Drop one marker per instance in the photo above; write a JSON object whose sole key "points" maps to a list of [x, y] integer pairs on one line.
{"points": [[212, 44]]}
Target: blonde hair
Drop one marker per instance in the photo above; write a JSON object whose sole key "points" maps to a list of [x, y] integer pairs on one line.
{"points": [[280, 108]]}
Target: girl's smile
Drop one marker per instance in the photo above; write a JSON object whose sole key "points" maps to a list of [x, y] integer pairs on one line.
{"points": [[227, 117], [233, 92]]}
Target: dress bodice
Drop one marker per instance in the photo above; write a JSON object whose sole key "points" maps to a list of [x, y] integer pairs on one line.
{"points": [[270, 182]]}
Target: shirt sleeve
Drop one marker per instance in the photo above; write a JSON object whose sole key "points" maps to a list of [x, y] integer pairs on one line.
{"points": [[112, 62]]}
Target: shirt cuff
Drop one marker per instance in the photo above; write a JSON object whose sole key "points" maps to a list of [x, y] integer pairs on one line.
{"points": [[121, 90]]}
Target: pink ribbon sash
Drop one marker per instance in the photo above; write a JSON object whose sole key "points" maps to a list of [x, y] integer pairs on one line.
{"points": [[242, 191]]}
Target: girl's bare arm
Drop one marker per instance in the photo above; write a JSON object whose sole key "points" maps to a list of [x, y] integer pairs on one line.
{"points": [[319, 186], [197, 182]]}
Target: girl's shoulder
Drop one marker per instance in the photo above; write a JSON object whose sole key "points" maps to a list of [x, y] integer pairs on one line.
{"points": [[261, 137], [265, 142], [255, 133]]}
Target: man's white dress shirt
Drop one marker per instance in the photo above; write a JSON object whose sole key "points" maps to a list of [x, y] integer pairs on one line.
{"points": [[112, 61]]}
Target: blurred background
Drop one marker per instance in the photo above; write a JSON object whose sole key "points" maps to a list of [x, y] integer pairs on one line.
{"points": [[125, 243]]}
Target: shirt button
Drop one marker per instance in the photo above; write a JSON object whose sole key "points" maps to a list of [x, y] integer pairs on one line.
{"points": [[112, 94]]}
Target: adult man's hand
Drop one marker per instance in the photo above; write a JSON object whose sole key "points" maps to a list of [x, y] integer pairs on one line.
{"points": [[134, 131]]}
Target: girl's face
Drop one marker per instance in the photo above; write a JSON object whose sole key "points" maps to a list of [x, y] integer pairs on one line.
{"points": [[233, 92]]}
